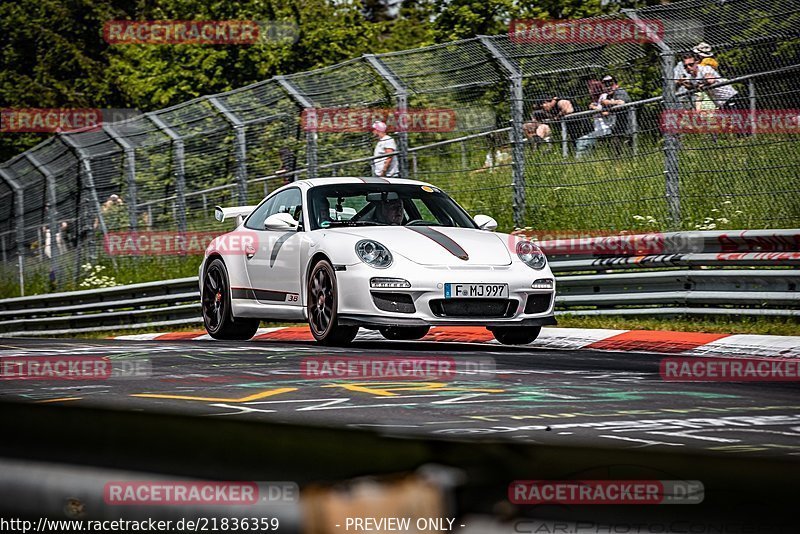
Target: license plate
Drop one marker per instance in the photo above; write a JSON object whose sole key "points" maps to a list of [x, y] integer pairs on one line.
{"points": [[497, 291]]}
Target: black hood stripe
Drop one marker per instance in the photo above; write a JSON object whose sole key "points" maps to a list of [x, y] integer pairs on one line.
{"points": [[451, 246]]}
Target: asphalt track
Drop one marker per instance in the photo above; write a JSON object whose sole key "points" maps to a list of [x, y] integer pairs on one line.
{"points": [[568, 397]]}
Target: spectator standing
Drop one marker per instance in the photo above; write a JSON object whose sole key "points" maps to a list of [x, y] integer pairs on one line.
{"points": [[385, 162]]}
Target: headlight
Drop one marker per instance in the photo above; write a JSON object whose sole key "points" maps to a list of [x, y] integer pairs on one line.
{"points": [[373, 254], [531, 255]]}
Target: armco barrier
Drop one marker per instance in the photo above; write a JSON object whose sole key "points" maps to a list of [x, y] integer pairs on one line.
{"points": [[709, 273]]}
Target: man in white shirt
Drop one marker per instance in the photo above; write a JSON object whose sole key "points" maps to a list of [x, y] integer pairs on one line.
{"points": [[724, 96], [385, 163]]}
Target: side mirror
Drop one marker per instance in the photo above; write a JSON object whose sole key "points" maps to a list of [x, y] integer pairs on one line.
{"points": [[485, 222], [280, 221]]}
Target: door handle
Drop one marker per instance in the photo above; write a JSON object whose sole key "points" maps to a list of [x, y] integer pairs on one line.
{"points": [[250, 252]]}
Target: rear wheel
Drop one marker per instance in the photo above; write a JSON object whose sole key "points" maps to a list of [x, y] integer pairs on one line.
{"points": [[404, 332], [516, 335], [323, 316], [217, 312]]}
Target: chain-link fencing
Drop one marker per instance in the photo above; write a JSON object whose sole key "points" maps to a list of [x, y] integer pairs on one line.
{"points": [[537, 136]]}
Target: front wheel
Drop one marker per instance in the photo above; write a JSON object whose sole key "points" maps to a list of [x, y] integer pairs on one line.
{"points": [[516, 335], [404, 332], [323, 316], [217, 312]]}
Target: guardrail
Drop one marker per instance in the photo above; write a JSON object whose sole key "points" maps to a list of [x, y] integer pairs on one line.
{"points": [[679, 273], [146, 305]]}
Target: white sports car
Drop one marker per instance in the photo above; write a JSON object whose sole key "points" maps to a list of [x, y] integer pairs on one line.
{"points": [[388, 254]]}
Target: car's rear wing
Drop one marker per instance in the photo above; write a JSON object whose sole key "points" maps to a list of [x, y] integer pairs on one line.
{"points": [[240, 212]]}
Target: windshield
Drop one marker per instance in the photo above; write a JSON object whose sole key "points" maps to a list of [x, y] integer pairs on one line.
{"points": [[384, 205]]}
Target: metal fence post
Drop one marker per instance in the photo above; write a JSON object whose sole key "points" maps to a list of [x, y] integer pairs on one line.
{"points": [[634, 126], [241, 145], [401, 95], [564, 140], [52, 212], [130, 170], [179, 167], [19, 224], [311, 137], [671, 141], [517, 118]]}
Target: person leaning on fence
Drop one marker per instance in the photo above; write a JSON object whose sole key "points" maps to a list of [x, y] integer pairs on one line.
{"points": [[725, 96], [607, 123], [602, 128], [618, 120], [550, 109], [385, 163]]}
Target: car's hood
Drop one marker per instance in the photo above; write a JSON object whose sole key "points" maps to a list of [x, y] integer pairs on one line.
{"points": [[438, 245]]}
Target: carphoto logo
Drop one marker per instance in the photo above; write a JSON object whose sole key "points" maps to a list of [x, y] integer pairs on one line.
{"points": [[587, 31], [729, 370], [395, 368], [204, 32], [760, 121], [179, 243], [337, 120], [169, 493], [606, 492], [603, 243], [71, 368]]}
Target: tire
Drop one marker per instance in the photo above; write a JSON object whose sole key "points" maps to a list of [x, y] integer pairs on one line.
{"points": [[404, 332], [323, 314], [516, 335], [217, 311]]}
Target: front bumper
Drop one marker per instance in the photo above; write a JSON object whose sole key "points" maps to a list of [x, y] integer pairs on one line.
{"points": [[358, 307]]}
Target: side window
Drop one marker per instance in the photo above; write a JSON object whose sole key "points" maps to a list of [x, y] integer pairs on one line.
{"points": [[289, 201], [256, 220]]}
